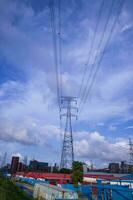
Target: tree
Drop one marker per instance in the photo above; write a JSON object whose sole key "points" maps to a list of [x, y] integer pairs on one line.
{"points": [[77, 172], [65, 171], [9, 191]]}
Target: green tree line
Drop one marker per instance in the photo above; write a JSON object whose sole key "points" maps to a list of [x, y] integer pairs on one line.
{"points": [[9, 191]]}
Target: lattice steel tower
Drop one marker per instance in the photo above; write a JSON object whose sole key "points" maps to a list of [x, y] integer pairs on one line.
{"points": [[67, 155]]}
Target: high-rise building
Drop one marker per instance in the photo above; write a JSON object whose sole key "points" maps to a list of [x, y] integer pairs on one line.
{"points": [[21, 167], [4, 160], [125, 168], [14, 164], [25, 161], [38, 166], [114, 167]]}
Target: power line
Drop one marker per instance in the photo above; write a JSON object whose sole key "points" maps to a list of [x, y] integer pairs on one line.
{"points": [[99, 46], [60, 44], [92, 46], [104, 51], [52, 14], [57, 45], [60, 62]]}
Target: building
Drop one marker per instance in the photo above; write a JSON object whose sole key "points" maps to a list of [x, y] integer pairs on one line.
{"points": [[25, 161], [126, 168], [55, 168], [47, 191], [85, 168], [21, 167], [114, 167], [53, 178], [6, 168], [14, 164], [39, 166], [92, 177]]}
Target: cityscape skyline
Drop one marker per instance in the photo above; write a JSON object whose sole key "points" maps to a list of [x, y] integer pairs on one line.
{"points": [[6, 160]]}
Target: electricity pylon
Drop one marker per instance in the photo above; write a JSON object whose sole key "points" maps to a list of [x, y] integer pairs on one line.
{"points": [[67, 155]]}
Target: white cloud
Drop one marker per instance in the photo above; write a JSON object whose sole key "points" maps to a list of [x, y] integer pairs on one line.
{"points": [[100, 124], [21, 157], [29, 112], [112, 128], [110, 97], [36, 58], [96, 147], [129, 127]]}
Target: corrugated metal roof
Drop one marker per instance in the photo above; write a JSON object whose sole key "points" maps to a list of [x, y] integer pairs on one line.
{"points": [[104, 176], [107, 176], [55, 187], [45, 175], [58, 176]]}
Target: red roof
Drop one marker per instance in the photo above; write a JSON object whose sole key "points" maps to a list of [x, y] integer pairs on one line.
{"points": [[98, 175], [45, 175], [101, 176]]}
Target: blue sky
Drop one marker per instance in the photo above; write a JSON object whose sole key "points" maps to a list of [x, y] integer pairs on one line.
{"points": [[29, 120]]}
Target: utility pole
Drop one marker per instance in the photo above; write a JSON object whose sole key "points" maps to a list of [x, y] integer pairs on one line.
{"points": [[131, 151], [67, 155]]}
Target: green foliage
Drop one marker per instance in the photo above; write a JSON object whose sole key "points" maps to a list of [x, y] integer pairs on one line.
{"points": [[77, 172], [9, 191], [65, 171]]}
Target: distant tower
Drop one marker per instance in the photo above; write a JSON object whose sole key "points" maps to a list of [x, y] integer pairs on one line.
{"points": [[67, 155], [131, 151], [4, 160], [25, 161], [0, 160], [91, 165]]}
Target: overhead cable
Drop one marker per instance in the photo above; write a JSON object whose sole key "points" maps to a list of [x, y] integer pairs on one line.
{"points": [[98, 49], [91, 47], [103, 52], [60, 44], [53, 27]]}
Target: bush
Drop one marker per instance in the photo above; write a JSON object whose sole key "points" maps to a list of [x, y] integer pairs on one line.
{"points": [[9, 191]]}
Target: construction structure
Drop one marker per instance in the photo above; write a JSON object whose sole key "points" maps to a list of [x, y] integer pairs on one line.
{"points": [[67, 155]]}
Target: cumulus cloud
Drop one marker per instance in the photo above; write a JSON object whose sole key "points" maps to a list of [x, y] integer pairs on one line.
{"points": [[28, 99], [94, 146], [108, 98], [9, 134], [24, 112], [21, 157], [129, 127]]}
